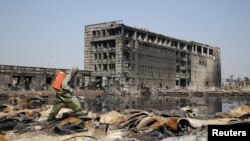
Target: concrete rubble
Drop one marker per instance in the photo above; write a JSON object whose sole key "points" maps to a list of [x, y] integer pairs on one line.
{"points": [[24, 118]]}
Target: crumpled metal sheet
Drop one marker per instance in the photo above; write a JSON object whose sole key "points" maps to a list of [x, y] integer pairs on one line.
{"points": [[5, 108], [28, 102], [141, 122], [242, 112], [239, 111], [70, 125], [195, 123], [2, 138], [8, 121], [112, 117], [19, 115]]}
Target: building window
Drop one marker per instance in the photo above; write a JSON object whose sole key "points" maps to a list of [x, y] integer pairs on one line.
{"points": [[95, 68], [105, 67], [100, 67], [100, 56], [105, 56], [111, 55], [103, 32], [112, 43], [104, 44], [112, 66], [94, 33], [95, 56]]}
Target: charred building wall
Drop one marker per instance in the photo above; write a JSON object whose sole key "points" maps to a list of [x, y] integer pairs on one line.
{"points": [[138, 58]]}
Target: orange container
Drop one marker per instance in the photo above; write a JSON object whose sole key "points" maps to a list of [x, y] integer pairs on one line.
{"points": [[57, 84]]}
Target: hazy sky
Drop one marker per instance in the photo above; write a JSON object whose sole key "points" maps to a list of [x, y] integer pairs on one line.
{"points": [[50, 33]]}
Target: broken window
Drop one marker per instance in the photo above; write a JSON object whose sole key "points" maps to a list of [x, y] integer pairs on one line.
{"points": [[111, 55], [127, 79], [98, 33], [127, 43], [125, 55], [143, 37], [100, 56], [174, 44], [211, 52], [182, 46], [112, 32], [48, 80], [94, 44], [110, 67], [111, 43], [104, 44], [205, 50], [103, 32], [139, 37], [206, 83], [189, 48], [100, 67], [151, 38], [128, 33], [105, 56], [182, 63], [160, 85], [99, 44], [94, 33], [95, 56], [95, 68], [183, 55], [27, 82], [183, 82], [105, 67], [199, 49]]}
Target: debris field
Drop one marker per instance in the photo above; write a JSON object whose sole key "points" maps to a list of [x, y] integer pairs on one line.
{"points": [[24, 118]]}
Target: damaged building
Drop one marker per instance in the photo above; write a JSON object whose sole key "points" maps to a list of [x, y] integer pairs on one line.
{"points": [[138, 58], [37, 78]]}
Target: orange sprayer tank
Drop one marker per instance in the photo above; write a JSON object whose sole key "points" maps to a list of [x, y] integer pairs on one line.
{"points": [[57, 83]]}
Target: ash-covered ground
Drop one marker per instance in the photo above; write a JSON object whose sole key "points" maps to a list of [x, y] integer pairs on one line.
{"points": [[130, 117]]}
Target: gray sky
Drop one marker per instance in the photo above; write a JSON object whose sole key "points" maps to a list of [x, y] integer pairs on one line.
{"points": [[50, 33]]}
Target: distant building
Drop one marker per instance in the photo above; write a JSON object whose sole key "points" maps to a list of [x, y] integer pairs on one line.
{"points": [[139, 58], [228, 82]]}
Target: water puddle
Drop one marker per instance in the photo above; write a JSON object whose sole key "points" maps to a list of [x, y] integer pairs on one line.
{"points": [[206, 105]]}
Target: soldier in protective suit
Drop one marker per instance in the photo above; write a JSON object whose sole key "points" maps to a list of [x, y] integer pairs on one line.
{"points": [[66, 98]]}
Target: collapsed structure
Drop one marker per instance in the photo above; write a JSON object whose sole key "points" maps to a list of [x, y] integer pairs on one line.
{"points": [[37, 78], [138, 58]]}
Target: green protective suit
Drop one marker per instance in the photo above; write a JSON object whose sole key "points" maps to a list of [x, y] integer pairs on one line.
{"points": [[66, 98]]}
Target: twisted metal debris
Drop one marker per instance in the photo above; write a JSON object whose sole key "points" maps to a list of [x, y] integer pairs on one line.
{"points": [[23, 115]]}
